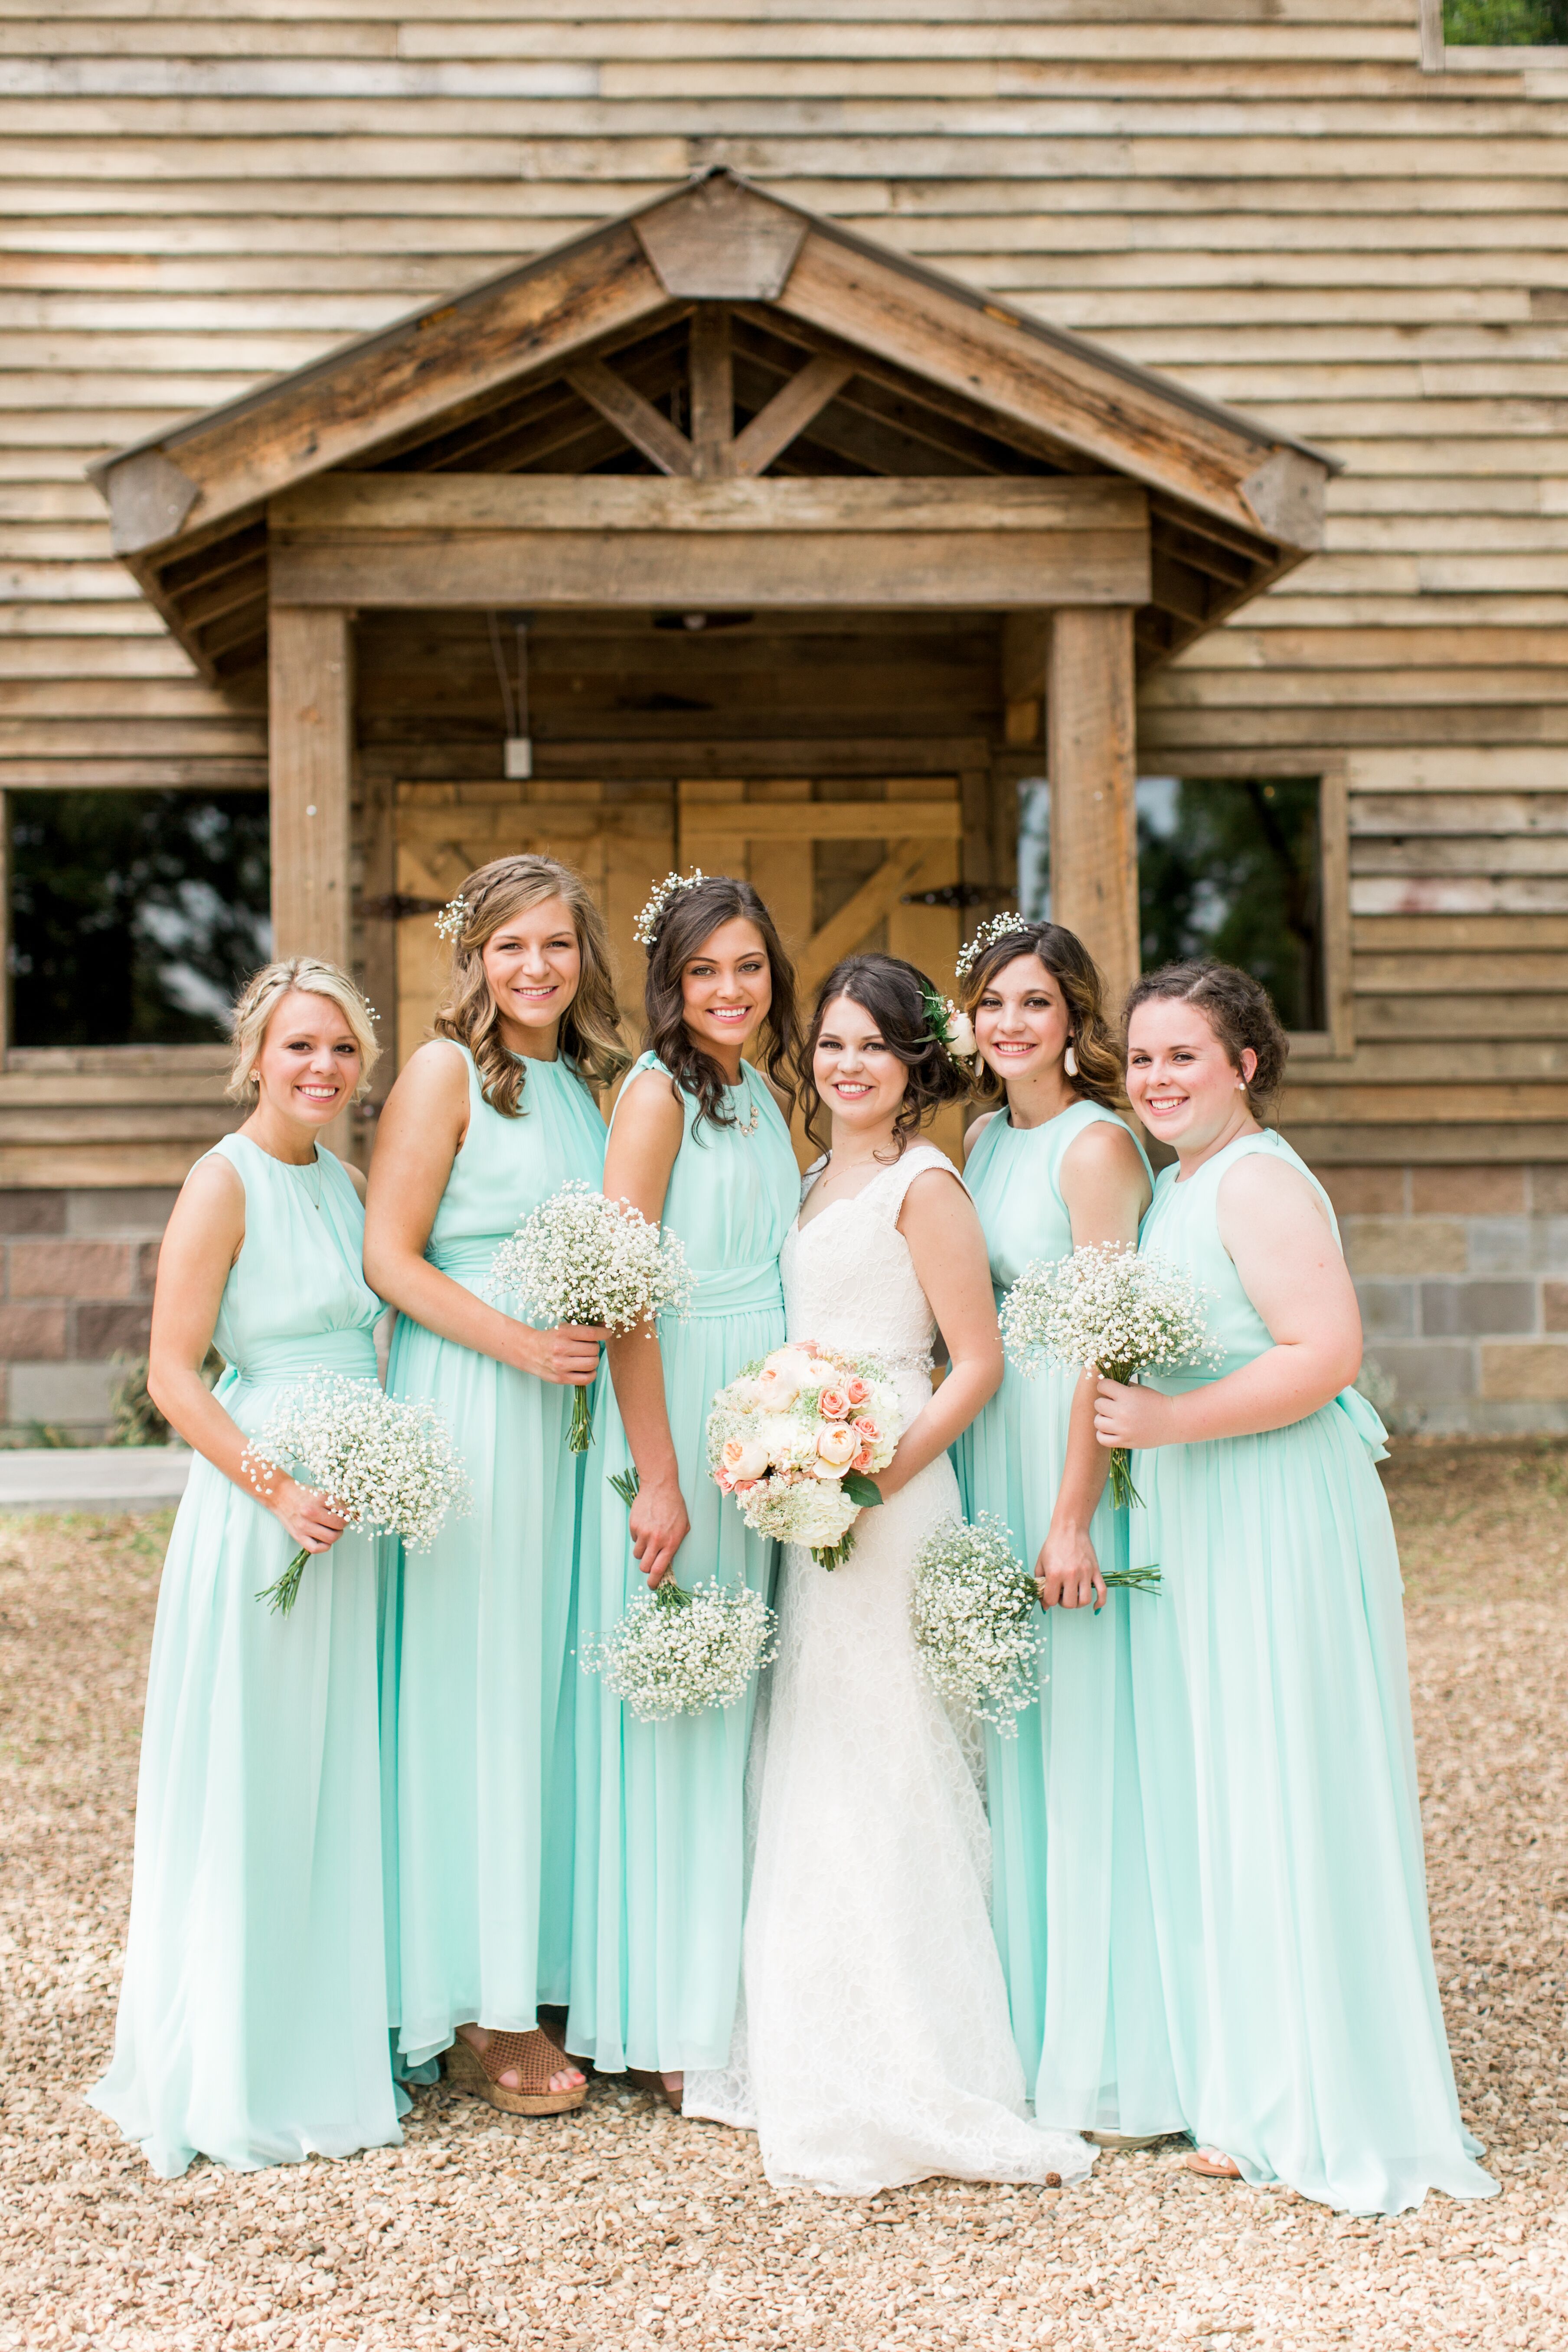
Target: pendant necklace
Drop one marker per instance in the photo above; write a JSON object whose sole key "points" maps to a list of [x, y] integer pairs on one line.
{"points": [[315, 1198]]}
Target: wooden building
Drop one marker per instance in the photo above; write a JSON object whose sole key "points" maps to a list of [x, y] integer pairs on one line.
{"points": [[777, 453]]}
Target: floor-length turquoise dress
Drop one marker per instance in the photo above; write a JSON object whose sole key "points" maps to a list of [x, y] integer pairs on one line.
{"points": [[479, 1678], [252, 2025], [1270, 1694], [656, 1956], [1070, 1889]]}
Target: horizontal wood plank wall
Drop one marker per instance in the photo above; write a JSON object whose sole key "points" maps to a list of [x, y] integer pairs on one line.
{"points": [[1268, 198]]}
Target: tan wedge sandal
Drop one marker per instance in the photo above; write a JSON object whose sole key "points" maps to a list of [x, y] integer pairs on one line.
{"points": [[532, 2057], [656, 2086]]}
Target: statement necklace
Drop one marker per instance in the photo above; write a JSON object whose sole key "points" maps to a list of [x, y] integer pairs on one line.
{"points": [[748, 1127]]}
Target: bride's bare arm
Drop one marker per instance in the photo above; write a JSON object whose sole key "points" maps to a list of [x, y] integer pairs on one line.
{"points": [[939, 1222], [638, 1160]]}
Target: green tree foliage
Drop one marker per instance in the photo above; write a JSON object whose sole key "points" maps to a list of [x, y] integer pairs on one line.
{"points": [[133, 915], [1505, 23], [1231, 870]]}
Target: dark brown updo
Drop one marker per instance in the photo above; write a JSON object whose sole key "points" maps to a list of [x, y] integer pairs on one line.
{"points": [[691, 917], [897, 998], [1237, 1008], [1077, 974]]}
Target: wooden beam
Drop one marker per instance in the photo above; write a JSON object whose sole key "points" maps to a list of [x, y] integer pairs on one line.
{"points": [[452, 354], [1052, 382], [789, 412], [933, 820], [407, 540], [643, 426], [713, 394], [1092, 766], [311, 747]]}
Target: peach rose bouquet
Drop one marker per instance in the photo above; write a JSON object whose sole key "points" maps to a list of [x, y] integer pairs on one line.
{"points": [[798, 1439]]}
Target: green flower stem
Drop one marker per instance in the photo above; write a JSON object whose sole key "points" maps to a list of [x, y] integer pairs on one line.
{"points": [[286, 1592], [1135, 1580], [1123, 1493], [580, 1436]]}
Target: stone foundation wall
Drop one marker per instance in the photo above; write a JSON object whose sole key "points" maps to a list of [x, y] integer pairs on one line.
{"points": [[76, 1289], [1462, 1274]]}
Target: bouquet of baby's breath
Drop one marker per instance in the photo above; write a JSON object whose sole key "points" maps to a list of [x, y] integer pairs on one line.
{"points": [[677, 1652], [1110, 1310], [971, 1611], [377, 1461], [581, 1258]]}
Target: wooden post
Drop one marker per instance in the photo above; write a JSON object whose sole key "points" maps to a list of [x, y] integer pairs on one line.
{"points": [[310, 757], [712, 392], [1092, 766]]}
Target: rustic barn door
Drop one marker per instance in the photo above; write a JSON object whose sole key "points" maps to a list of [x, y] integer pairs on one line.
{"points": [[620, 838], [843, 866]]}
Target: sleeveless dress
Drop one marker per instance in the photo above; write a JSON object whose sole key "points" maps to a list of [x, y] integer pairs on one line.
{"points": [[1278, 1773], [479, 1678], [252, 2025], [655, 1957], [875, 2046], [1070, 1896]]}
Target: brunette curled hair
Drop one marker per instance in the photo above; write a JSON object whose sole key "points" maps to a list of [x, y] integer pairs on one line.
{"points": [[1077, 974], [691, 917], [1237, 1008], [896, 996], [590, 1034]]}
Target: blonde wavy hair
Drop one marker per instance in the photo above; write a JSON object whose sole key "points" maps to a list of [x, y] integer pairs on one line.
{"points": [[1077, 974], [591, 1026], [259, 999]]}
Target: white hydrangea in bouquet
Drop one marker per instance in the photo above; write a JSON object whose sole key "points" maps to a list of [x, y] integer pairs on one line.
{"points": [[380, 1462], [581, 1258], [972, 1612], [1105, 1308], [797, 1439], [679, 1651]]}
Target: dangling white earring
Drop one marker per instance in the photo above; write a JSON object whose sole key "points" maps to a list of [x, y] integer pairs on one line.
{"points": [[1069, 1062]]}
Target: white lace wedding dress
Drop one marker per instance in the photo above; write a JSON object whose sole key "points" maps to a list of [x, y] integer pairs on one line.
{"points": [[873, 2045]]}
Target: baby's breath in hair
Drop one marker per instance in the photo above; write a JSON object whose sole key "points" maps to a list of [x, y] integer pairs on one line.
{"points": [[645, 931], [453, 916], [985, 936]]}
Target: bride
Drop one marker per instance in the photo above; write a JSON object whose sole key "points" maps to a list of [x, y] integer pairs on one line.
{"points": [[873, 2045]]}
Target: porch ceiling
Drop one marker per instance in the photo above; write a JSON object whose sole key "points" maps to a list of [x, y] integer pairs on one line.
{"points": [[718, 332]]}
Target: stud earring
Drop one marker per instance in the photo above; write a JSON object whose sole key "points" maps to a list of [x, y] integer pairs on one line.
{"points": [[1070, 1061]]}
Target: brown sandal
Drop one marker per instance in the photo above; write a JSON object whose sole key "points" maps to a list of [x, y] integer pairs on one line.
{"points": [[657, 2087], [1213, 2164], [532, 2057]]}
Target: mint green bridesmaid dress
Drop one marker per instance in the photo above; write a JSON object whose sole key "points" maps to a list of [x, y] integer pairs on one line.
{"points": [[656, 1956], [1069, 1888], [252, 2025], [479, 1678], [1272, 1707]]}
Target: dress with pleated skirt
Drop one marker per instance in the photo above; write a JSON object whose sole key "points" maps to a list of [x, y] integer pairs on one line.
{"points": [[477, 1634], [1070, 1889], [252, 2022], [1272, 1705], [661, 1831]]}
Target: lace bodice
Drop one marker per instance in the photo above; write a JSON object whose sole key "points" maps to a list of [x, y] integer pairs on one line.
{"points": [[848, 1279]]}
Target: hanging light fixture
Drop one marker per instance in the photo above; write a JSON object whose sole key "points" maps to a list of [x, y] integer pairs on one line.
{"points": [[516, 756]]}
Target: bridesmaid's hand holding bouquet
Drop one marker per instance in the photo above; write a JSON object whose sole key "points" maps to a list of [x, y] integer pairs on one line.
{"points": [[582, 1259], [1107, 1309], [374, 1461]]}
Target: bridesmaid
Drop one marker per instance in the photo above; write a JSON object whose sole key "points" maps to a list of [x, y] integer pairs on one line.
{"points": [[1055, 1168], [487, 1120], [251, 2027], [699, 1141], [1269, 1679]]}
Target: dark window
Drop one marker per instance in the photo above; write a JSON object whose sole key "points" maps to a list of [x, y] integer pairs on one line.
{"points": [[1505, 23], [1234, 869], [133, 915]]}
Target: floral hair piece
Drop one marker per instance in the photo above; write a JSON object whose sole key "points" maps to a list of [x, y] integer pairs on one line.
{"points": [[951, 1029], [453, 917], [645, 931], [985, 936]]}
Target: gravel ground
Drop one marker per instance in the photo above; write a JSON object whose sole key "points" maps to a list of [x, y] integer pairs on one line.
{"points": [[625, 2227]]}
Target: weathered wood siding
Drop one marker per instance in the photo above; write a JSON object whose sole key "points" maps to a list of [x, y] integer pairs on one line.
{"points": [[1269, 197]]}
